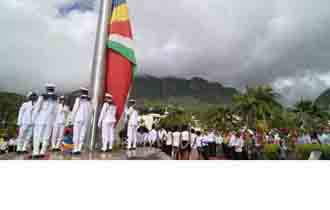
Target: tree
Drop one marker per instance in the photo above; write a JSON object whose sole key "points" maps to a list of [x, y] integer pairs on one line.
{"points": [[257, 104]]}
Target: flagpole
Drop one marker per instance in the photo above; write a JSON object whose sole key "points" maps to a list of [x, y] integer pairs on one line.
{"points": [[98, 68]]}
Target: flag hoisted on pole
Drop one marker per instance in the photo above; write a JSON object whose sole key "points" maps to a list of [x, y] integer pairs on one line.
{"points": [[121, 61], [114, 60]]}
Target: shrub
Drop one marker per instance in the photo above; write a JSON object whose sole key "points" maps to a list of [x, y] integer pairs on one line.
{"points": [[271, 151], [303, 151]]}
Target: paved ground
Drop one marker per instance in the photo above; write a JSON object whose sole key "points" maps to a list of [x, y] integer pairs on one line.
{"points": [[139, 154]]}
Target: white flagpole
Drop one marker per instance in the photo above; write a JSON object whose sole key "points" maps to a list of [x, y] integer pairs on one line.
{"points": [[98, 69]]}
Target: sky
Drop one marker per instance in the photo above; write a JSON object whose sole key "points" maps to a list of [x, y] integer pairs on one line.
{"points": [[237, 43]]}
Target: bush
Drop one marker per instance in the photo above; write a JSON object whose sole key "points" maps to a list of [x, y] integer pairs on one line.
{"points": [[325, 149], [271, 151], [303, 151]]}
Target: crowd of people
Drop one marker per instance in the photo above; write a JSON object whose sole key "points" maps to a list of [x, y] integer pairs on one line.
{"points": [[46, 123], [185, 143]]}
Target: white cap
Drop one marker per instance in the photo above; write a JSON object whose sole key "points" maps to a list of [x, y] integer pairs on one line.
{"points": [[108, 95], [132, 101], [83, 89], [62, 97], [50, 85]]}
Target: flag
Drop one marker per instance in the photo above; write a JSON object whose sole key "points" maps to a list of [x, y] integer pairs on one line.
{"points": [[121, 61]]}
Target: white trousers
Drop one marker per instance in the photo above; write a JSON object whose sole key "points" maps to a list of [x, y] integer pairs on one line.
{"points": [[108, 135], [79, 135], [24, 136], [41, 135], [131, 136], [57, 136]]}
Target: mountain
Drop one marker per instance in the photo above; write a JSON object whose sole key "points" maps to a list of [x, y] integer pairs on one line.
{"points": [[177, 89], [324, 99]]}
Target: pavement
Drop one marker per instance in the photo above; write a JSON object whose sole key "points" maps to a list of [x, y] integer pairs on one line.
{"points": [[139, 154]]}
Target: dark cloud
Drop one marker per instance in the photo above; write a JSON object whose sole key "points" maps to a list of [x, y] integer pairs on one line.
{"points": [[238, 43]]}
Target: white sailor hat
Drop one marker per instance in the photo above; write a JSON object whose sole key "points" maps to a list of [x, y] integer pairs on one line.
{"points": [[50, 85], [132, 101], [108, 95], [62, 97], [83, 89]]}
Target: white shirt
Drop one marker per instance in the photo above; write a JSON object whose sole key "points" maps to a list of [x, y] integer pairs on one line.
{"points": [[162, 134], [169, 138], [194, 140], [61, 114], [25, 114], [108, 114], [82, 111], [44, 112], [232, 140], [176, 139], [199, 141], [133, 116], [211, 137], [153, 135], [239, 143], [185, 136], [219, 139]]}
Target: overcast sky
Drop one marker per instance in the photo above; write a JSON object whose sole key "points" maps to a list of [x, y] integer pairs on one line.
{"points": [[284, 43]]}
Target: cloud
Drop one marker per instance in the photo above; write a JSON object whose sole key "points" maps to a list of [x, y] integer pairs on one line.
{"points": [[238, 43]]}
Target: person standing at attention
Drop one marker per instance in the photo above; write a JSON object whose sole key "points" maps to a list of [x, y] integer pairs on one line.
{"points": [[107, 121], [81, 117]]}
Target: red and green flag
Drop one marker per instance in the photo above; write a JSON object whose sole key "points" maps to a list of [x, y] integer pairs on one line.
{"points": [[121, 61]]}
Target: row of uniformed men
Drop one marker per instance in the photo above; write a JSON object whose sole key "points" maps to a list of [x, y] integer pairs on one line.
{"points": [[43, 118]]}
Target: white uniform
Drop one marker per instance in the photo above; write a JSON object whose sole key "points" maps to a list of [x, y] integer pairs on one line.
{"points": [[25, 124], [132, 128], [43, 117], [59, 125], [81, 117], [152, 136], [107, 122]]}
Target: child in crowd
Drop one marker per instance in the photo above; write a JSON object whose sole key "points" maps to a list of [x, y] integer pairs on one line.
{"points": [[169, 141], [176, 143], [68, 145], [185, 143], [194, 146]]}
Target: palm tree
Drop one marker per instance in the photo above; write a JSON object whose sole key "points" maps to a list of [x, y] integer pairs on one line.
{"points": [[257, 104]]}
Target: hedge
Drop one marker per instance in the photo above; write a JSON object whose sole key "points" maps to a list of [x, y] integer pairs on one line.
{"points": [[303, 151], [271, 151]]}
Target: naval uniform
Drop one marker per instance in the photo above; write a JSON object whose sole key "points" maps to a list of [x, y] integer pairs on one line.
{"points": [[132, 127], [59, 125], [107, 122], [25, 124], [81, 117], [43, 117]]}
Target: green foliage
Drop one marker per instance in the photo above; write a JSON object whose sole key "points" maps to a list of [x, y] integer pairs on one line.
{"points": [[303, 151], [271, 151], [256, 104], [9, 107]]}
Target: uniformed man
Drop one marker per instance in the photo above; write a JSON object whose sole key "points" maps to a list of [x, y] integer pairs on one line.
{"points": [[81, 117], [132, 126], [107, 123], [25, 123], [62, 111], [44, 115]]}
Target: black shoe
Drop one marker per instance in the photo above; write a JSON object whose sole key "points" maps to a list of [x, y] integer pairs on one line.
{"points": [[110, 150], [42, 156]]}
